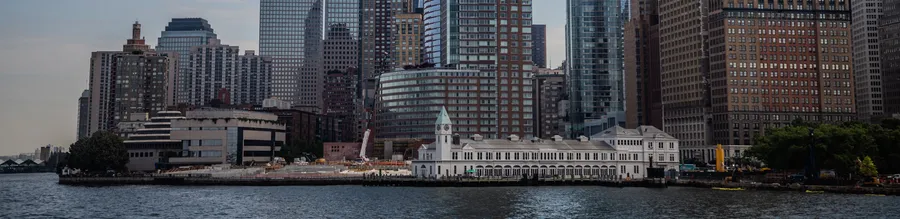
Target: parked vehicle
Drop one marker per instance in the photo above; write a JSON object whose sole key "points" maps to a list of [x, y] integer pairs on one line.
{"points": [[871, 182]]}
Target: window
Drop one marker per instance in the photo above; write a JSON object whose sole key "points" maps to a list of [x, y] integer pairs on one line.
{"points": [[211, 142]]}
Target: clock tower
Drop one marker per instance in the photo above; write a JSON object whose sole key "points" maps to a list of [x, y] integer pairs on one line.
{"points": [[443, 131]]}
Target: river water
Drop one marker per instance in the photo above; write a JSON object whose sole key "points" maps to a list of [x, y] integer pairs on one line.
{"points": [[39, 196]]}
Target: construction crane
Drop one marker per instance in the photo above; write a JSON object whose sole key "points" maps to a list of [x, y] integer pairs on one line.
{"points": [[362, 150]]}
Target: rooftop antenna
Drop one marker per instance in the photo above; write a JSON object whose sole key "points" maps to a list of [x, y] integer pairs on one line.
{"points": [[549, 60]]}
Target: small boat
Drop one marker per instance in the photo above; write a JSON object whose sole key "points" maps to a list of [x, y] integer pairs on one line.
{"points": [[727, 189], [874, 194], [814, 192]]}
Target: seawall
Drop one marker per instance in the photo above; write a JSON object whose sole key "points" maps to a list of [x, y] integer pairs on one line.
{"points": [[412, 182], [409, 182]]}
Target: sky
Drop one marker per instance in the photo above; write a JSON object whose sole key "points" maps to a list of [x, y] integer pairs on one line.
{"points": [[46, 47]]}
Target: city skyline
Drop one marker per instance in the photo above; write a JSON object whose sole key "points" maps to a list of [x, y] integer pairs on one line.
{"points": [[53, 89]]}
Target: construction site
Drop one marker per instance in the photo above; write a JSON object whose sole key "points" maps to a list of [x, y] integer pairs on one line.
{"points": [[343, 165]]}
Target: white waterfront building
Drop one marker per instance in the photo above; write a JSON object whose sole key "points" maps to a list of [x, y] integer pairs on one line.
{"points": [[615, 153]]}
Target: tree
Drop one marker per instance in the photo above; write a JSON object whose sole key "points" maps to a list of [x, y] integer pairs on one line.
{"points": [[297, 148], [101, 152], [867, 167], [836, 147], [57, 161]]}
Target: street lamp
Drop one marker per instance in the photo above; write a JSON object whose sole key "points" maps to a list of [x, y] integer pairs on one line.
{"points": [[811, 160]]}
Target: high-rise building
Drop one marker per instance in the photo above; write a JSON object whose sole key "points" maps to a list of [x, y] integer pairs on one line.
{"points": [[409, 100], [549, 91], [377, 42], [255, 78], [212, 67], [102, 91], [135, 80], [290, 31], [866, 63], [179, 36], [341, 49], [889, 40], [339, 96], [777, 62], [146, 88], [683, 61], [218, 71], [341, 104], [594, 64], [494, 36], [407, 47], [84, 114], [539, 37], [643, 102], [432, 41]]}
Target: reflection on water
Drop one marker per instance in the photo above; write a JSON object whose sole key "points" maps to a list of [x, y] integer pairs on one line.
{"points": [[38, 195]]}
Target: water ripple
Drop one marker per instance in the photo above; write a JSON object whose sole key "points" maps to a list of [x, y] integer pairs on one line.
{"points": [[39, 196]]}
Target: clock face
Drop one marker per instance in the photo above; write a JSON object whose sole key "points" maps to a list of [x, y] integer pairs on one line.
{"points": [[446, 127], [437, 127]]}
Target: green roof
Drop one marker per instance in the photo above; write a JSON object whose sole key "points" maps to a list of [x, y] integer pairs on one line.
{"points": [[443, 118]]}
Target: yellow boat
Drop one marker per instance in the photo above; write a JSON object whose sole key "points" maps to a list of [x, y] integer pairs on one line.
{"points": [[727, 189], [814, 192], [874, 194]]}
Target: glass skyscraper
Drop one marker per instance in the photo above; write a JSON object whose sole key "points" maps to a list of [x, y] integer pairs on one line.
{"points": [[432, 37], [595, 64], [343, 14], [179, 36], [290, 31]]}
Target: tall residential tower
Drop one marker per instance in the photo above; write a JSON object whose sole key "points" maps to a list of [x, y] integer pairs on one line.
{"points": [[488, 35], [134, 80], [776, 62], [595, 64]]}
